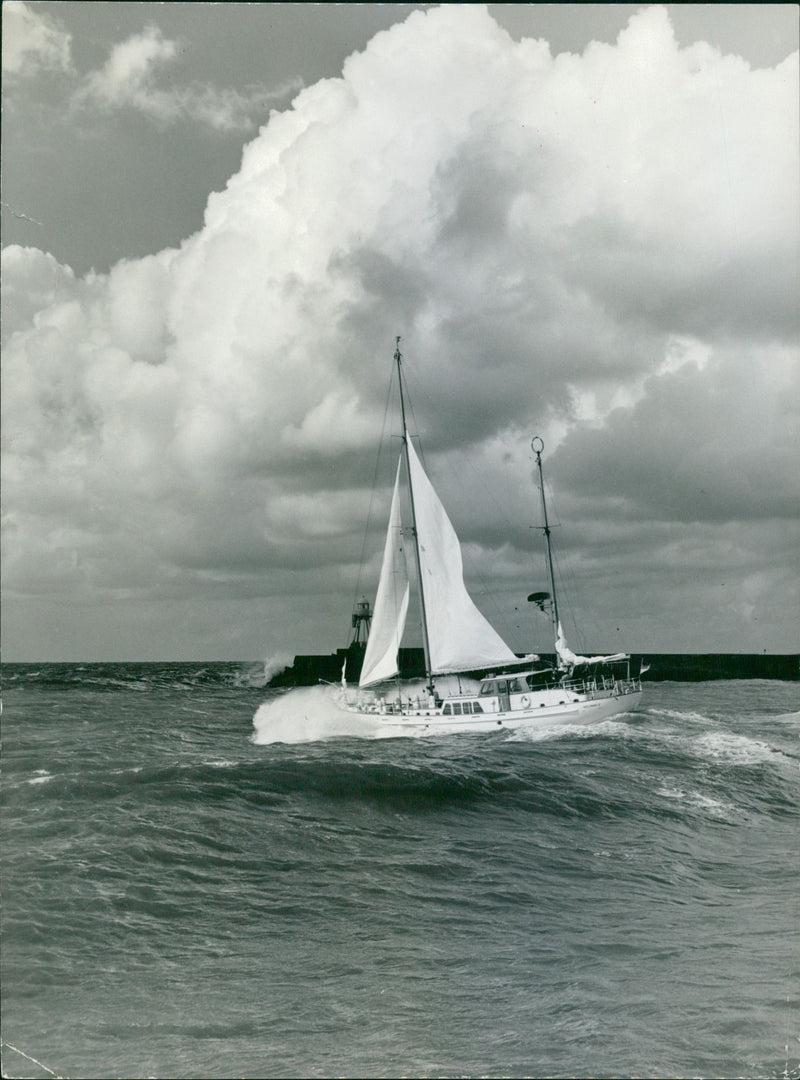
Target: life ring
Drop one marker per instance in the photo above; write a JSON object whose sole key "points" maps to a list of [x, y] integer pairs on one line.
{"points": [[525, 702]]}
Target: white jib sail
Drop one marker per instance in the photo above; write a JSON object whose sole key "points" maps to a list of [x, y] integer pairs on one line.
{"points": [[459, 637], [391, 602]]}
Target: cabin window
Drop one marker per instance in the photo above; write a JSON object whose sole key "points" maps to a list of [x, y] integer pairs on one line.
{"points": [[486, 689], [447, 710], [476, 706], [456, 709]]}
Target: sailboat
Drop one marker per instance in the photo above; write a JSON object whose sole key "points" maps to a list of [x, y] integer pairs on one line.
{"points": [[473, 681]]}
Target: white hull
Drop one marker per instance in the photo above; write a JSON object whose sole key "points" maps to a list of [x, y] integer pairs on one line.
{"points": [[416, 722]]}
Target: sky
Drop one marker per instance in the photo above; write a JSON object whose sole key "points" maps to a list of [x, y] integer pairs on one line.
{"points": [[581, 219]]}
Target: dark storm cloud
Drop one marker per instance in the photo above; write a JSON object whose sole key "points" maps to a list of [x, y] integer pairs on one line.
{"points": [[705, 444]]}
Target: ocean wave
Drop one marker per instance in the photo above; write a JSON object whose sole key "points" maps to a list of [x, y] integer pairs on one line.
{"points": [[133, 676], [740, 750], [450, 773], [555, 732], [716, 808], [681, 715], [43, 777]]}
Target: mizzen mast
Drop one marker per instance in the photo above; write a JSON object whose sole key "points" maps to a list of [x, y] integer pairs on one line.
{"points": [[537, 445]]}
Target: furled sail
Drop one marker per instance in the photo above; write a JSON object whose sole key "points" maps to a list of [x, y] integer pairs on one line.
{"points": [[459, 637], [391, 602], [568, 659]]}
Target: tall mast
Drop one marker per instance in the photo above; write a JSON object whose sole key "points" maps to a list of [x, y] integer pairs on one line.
{"points": [[425, 644], [537, 445]]}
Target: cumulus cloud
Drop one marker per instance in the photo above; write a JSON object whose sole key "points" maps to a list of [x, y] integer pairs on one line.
{"points": [[130, 79], [126, 74], [33, 42], [597, 247]]}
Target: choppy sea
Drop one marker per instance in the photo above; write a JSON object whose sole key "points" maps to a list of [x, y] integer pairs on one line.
{"points": [[195, 885]]}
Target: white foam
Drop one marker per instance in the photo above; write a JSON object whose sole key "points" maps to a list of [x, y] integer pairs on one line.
{"points": [[542, 731], [683, 716], [726, 746], [789, 717], [42, 777], [545, 733], [702, 802], [308, 714]]}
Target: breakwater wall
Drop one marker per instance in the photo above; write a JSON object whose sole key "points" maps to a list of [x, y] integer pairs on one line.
{"points": [[308, 670]]}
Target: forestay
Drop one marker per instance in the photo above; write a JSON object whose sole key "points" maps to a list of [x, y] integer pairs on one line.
{"points": [[391, 602]]}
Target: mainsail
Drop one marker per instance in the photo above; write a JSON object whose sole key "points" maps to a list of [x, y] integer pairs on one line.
{"points": [[391, 602], [459, 637]]}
